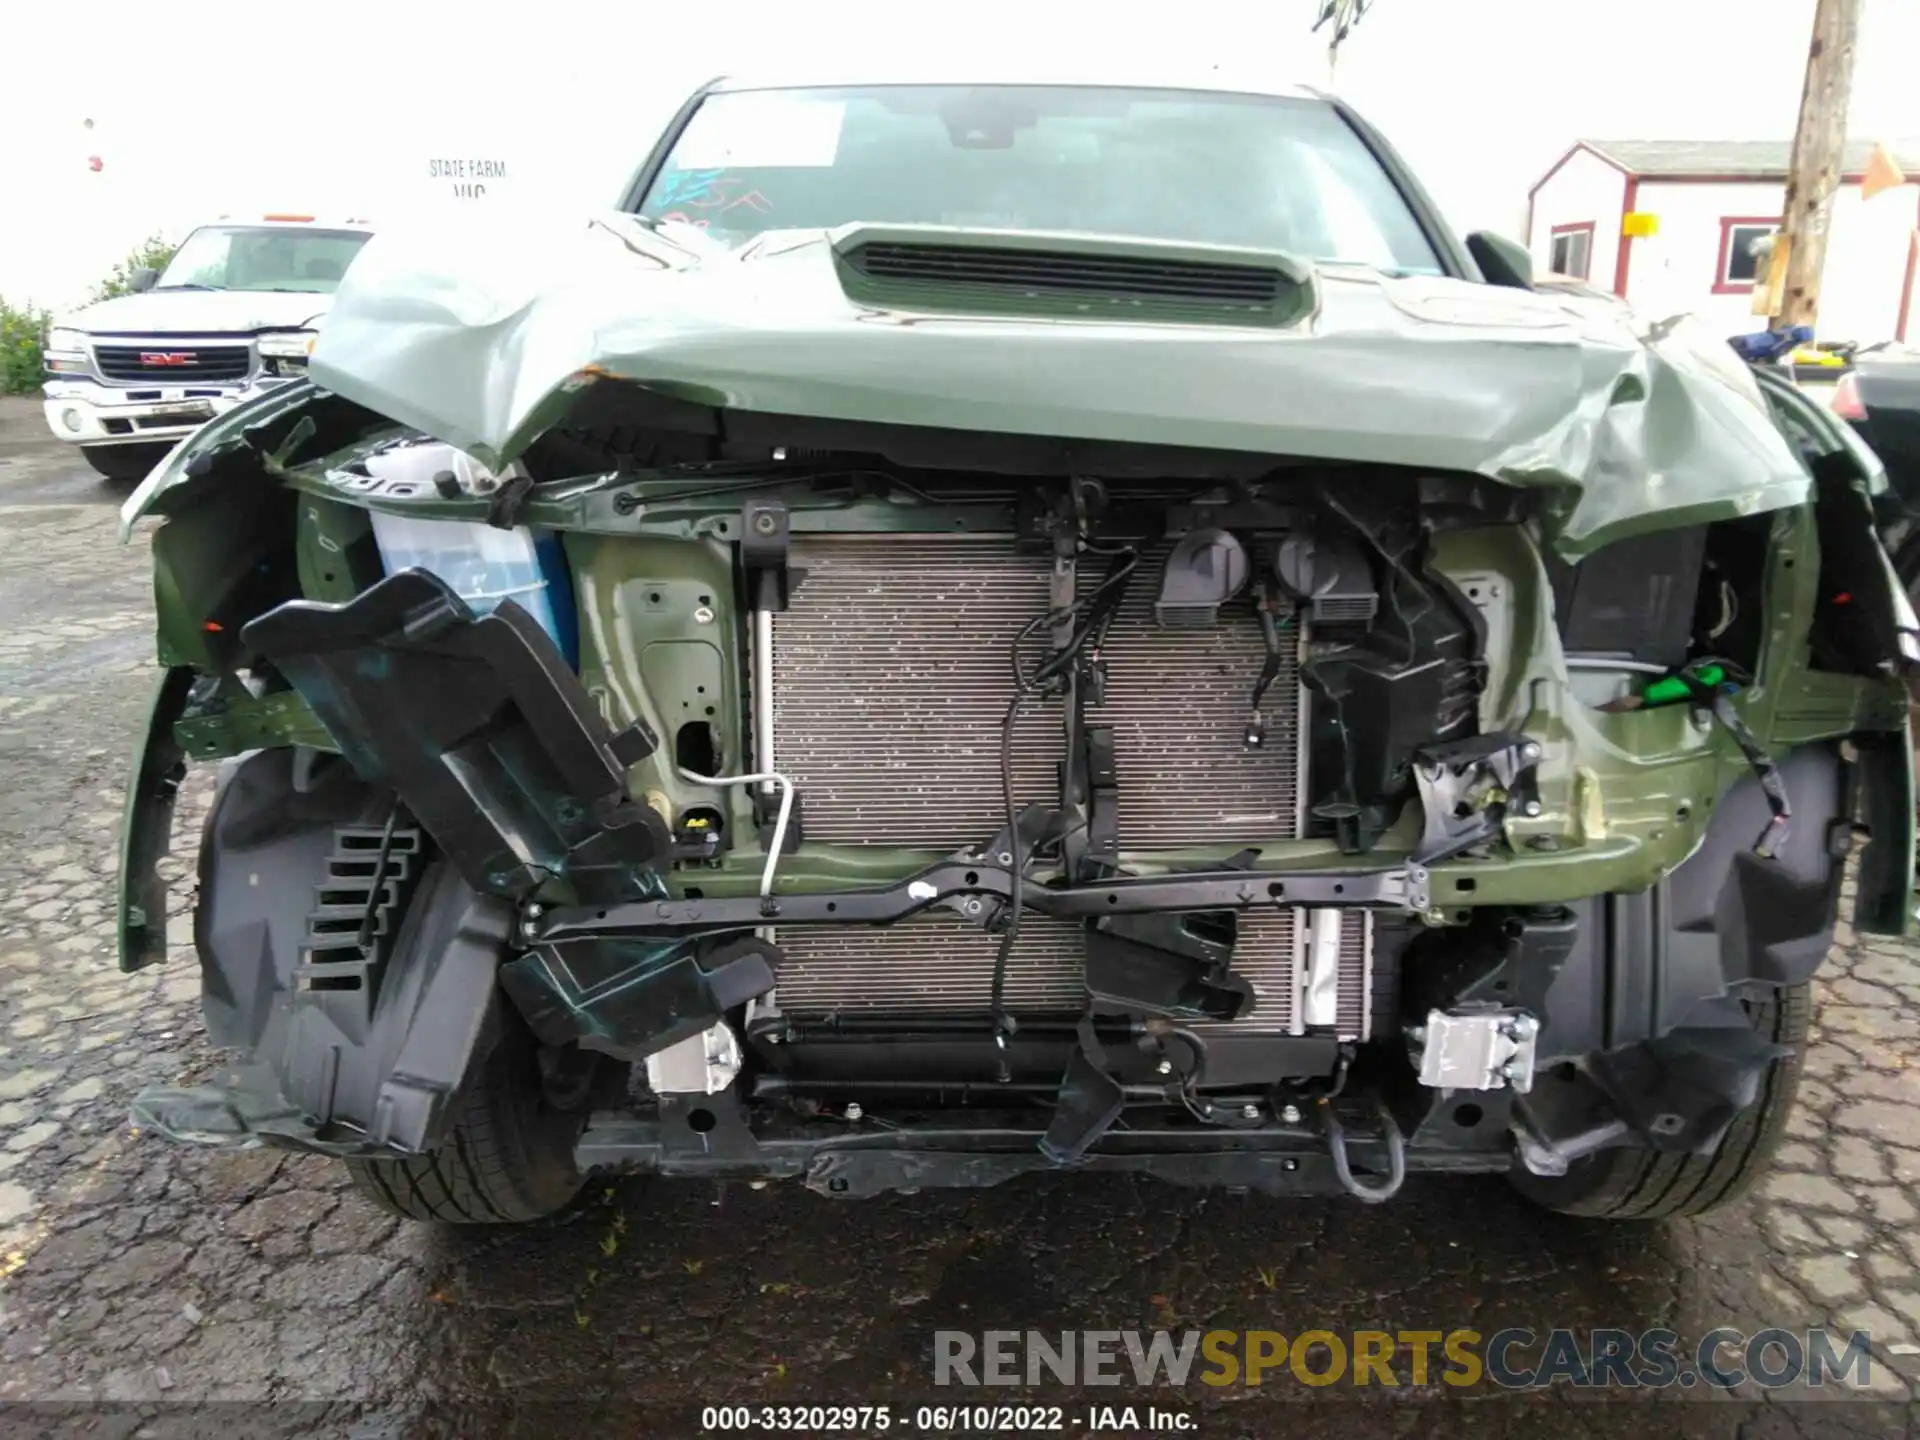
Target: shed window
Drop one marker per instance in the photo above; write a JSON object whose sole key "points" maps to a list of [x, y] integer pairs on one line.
{"points": [[1741, 265], [1572, 252]]}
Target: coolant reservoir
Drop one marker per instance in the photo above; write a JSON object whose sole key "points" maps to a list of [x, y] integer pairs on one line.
{"points": [[482, 563]]}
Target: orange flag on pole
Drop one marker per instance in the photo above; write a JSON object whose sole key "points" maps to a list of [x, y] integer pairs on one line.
{"points": [[1883, 173]]}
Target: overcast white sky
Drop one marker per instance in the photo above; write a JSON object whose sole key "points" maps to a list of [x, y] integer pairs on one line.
{"points": [[339, 108]]}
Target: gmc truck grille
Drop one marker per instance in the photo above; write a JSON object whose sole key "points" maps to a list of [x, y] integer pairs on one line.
{"points": [[169, 364]]}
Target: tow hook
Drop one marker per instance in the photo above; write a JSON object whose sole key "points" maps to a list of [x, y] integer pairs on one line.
{"points": [[1337, 1147]]}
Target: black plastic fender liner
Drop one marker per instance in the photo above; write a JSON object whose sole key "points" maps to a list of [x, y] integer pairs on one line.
{"points": [[1649, 1001], [478, 724], [1725, 922], [1885, 878], [434, 1012], [1681, 954], [262, 854], [146, 830]]}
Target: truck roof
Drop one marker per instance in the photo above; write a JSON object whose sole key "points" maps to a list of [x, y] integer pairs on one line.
{"points": [[295, 221], [936, 72]]}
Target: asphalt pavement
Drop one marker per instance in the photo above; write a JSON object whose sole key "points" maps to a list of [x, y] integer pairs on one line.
{"points": [[149, 1289]]}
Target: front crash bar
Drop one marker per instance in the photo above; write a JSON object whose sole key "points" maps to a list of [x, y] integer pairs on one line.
{"points": [[952, 883]]}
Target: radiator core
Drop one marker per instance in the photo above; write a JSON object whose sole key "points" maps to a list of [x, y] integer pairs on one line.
{"points": [[939, 965], [891, 677]]}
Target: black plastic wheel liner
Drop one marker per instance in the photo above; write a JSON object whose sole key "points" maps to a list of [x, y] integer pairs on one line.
{"points": [[488, 738], [1644, 997], [371, 1070]]}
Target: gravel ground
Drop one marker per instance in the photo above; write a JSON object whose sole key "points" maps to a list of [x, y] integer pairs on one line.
{"points": [[146, 1289]]}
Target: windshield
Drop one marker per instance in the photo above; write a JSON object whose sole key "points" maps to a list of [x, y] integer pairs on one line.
{"points": [[1241, 170], [262, 257]]}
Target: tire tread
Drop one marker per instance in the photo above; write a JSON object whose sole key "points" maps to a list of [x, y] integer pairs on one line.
{"points": [[1631, 1184], [504, 1160]]}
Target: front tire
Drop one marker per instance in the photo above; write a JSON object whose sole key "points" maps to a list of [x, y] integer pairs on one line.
{"points": [[1632, 1184], [508, 1158], [124, 463]]}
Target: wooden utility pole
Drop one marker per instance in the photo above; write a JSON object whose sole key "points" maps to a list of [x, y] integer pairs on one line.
{"points": [[1814, 172]]}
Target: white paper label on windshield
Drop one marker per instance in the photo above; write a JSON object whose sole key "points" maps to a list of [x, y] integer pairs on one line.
{"points": [[761, 130]]}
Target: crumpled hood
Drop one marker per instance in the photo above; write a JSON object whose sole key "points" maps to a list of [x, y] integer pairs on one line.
{"points": [[201, 312], [480, 339]]}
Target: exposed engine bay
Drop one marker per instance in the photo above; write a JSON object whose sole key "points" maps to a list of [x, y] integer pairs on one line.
{"points": [[1117, 678], [896, 703], [1125, 814]]}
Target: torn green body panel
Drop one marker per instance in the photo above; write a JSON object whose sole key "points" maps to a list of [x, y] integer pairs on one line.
{"points": [[1628, 426], [170, 483], [336, 551], [251, 722], [660, 641], [146, 830]]}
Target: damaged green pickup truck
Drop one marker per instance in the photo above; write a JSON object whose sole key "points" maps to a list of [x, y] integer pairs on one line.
{"points": [[980, 629]]}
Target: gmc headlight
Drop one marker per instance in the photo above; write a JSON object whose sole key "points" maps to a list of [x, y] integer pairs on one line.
{"points": [[288, 345], [66, 352]]}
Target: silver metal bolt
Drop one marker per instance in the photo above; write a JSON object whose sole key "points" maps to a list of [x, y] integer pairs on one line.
{"points": [[756, 1184], [853, 1110], [1249, 1112], [1289, 1165], [972, 907], [534, 912], [1004, 858], [1532, 808], [1530, 751], [1165, 1067], [1290, 1114], [703, 616]]}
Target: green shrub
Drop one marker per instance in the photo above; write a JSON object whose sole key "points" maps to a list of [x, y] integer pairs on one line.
{"points": [[23, 330], [23, 334], [152, 253]]}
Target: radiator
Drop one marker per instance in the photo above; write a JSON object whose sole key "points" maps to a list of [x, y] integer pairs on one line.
{"points": [[891, 677], [939, 965]]}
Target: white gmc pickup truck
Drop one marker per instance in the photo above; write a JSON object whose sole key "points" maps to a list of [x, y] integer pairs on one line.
{"points": [[235, 312]]}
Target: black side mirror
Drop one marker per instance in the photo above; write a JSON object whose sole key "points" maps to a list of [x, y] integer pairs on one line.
{"points": [[1501, 261], [142, 279]]}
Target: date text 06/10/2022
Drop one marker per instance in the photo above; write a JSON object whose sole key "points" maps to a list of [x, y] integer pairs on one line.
{"points": [[945, 1419]]}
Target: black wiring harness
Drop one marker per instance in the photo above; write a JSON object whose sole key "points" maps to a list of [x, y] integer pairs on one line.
{"points": [[1091, 616]]}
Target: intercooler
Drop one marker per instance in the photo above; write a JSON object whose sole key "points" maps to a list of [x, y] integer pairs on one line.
{"points": [[891, 677]]}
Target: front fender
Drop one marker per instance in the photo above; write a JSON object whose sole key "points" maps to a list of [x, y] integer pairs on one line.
{"points": [[174, 481], [146, 830]]}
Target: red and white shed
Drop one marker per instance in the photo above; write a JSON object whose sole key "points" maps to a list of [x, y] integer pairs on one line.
{"points": [[1670, 225]]}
